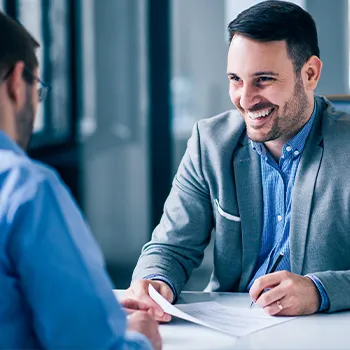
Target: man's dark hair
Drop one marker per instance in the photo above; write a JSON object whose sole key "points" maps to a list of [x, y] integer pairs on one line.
{"points": [[279, 20], [16, 44]]}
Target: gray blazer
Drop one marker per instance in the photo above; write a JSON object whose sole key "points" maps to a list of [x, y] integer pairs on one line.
{"points": [[218, 189]]}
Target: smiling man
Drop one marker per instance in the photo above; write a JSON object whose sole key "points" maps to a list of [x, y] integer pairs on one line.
{"points": [[269, 180], [268, 90]]}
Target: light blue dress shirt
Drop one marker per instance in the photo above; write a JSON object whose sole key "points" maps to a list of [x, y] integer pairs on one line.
{"points": [[54, 291], [278, 182]]}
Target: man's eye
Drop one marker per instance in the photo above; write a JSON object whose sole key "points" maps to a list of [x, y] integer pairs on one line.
{"points": [[265, 79], [234, 78]]}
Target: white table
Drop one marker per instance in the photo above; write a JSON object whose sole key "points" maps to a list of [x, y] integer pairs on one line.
{"points": [[319, 331]]}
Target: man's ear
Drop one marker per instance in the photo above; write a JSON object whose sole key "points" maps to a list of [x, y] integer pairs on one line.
{"points": [[312, 72], [16, 85]]}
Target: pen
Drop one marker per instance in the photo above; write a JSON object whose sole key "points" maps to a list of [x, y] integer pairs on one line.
{"points": [[273, 269]]}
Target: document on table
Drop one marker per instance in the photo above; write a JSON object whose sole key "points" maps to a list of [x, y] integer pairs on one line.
{"points": [[234, 321]]}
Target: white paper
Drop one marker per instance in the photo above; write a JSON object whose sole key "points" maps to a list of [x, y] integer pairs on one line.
{"points": [[171, 309], [234, 321]]}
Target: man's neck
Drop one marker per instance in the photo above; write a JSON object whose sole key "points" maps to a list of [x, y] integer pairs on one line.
{"points": [[275, 148], [8, 128]]}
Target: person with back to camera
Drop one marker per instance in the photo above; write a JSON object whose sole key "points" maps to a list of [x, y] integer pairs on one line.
{"points": [[55, 292]]}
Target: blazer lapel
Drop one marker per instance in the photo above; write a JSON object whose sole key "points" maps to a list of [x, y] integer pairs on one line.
{"points": [[302, 195], [249, 196]]}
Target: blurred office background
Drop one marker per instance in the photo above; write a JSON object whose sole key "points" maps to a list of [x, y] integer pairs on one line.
{"points": [[129, 79]]}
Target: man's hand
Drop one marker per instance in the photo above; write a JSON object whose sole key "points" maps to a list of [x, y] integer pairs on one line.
{"points": [[143, 323], [139, 291], [289, 294], [132, 305]]}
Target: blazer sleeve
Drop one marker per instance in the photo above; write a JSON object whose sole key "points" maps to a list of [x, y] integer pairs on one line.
{"points": [[178, 242], [337, 286]]}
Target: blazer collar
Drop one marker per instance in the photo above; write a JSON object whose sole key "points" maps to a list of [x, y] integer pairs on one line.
{"points": [[303, 189]]}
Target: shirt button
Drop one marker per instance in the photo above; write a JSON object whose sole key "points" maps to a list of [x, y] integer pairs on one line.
{"points": [[288, 148], [296, 153], [279, 218]]}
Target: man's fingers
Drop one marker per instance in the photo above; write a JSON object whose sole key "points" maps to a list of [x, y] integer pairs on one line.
{"points": [[146, 299], [129, 311], [289, 294], [134, 304], [271, 296], [267, 281], [139, 291], [157, 312], [166, 292], [150, 311], [279, 307]]}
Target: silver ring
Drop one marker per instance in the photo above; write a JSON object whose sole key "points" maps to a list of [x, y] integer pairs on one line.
{"points": [[279, 304]]}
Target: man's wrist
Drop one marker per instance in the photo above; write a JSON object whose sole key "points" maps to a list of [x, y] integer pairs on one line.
{"points": [[167, 281], [142, 342], [324, 300]]}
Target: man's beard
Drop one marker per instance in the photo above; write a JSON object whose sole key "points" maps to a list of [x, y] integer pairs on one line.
{"points": [[291, 117], [25, 121]]}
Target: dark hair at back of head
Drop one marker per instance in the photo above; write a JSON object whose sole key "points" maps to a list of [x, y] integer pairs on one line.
{"points": [[279, 20], [16, 44]]}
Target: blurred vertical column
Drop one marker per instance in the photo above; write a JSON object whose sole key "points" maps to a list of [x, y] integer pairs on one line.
{"points": [[159, 112], [199, 84], [33, 23], [113, 130], [332, 21]]}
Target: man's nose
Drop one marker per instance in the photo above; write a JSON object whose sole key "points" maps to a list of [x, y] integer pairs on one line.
{"points": [[249, 97]]}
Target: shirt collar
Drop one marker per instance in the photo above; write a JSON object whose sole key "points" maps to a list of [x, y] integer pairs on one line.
{"points": [[6, 143], [296, 144]]}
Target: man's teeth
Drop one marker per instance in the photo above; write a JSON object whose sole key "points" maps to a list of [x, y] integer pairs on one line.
{"points": [[255, 115]]}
